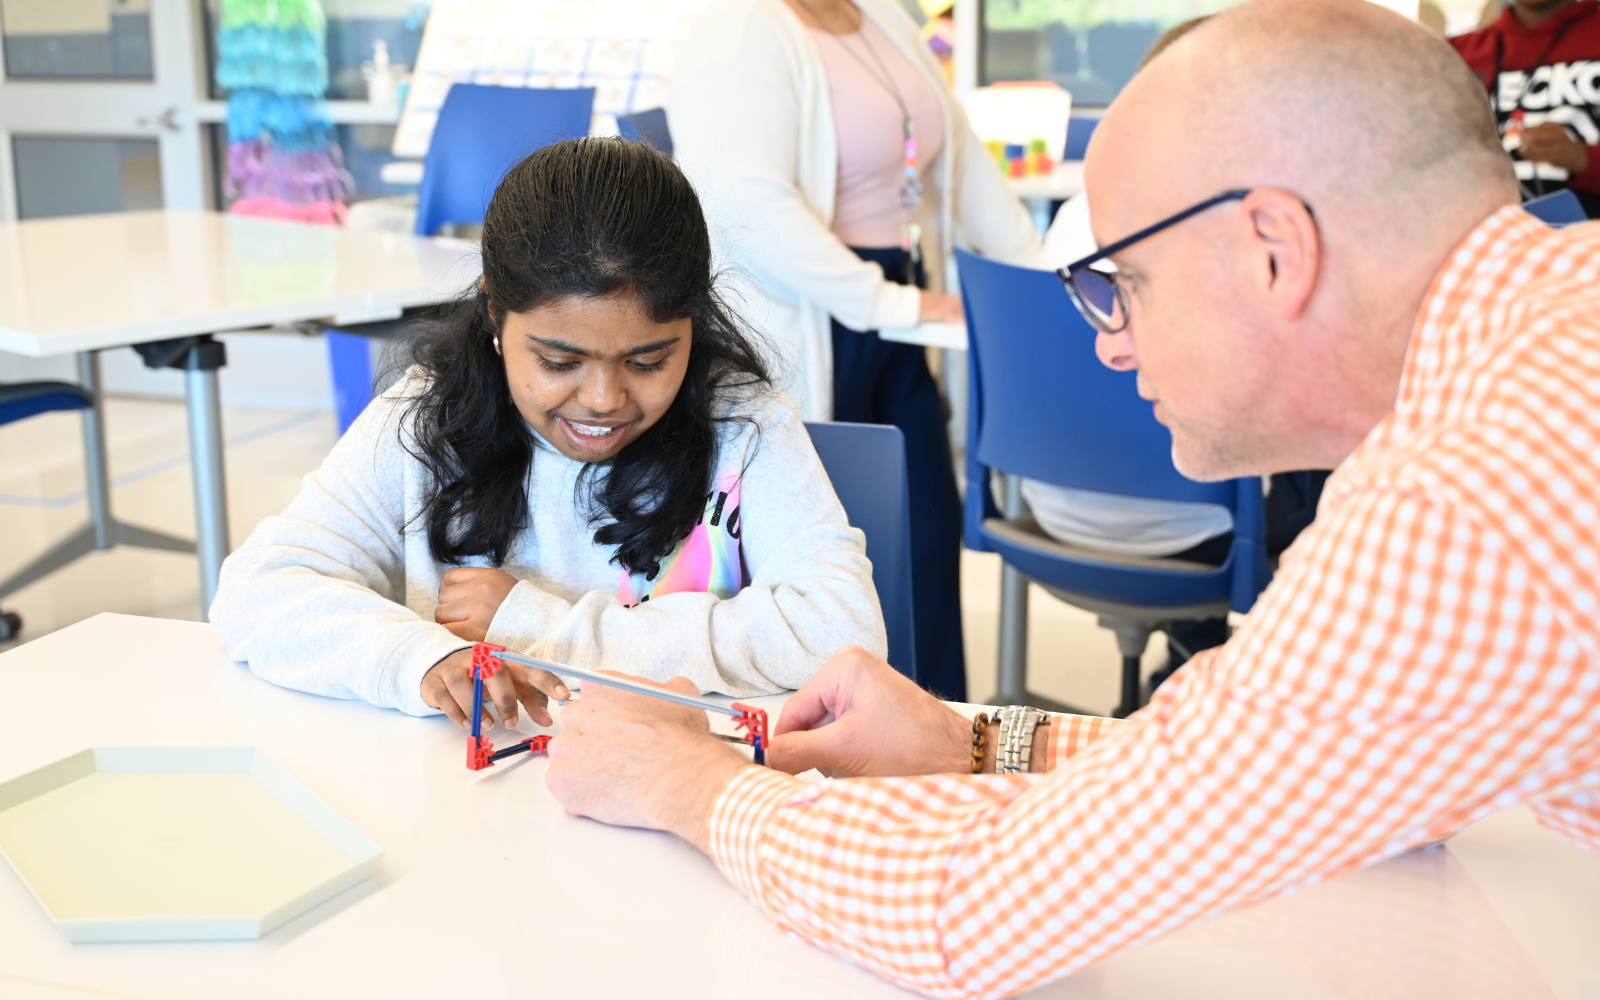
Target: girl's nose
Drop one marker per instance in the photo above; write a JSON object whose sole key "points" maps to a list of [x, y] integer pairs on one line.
{"points": [[601, 392]]}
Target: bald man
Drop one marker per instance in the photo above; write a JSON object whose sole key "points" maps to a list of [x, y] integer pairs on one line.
{"points": [[1320, 263]]}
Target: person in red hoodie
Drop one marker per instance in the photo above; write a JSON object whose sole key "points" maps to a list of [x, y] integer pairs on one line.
{"points": [[1540, 62]]}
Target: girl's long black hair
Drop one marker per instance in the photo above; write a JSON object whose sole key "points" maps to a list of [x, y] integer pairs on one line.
{"points": [[586, 217]]}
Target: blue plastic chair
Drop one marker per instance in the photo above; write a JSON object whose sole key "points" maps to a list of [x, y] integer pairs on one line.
{"points": [[867, 463], [482, 132], [19, 401], [648, 126], [1562, 208], [1079, 131], [1043, 407]]}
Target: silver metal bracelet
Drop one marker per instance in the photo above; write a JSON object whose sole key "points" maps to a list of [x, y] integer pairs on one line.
{"points": [[1014, 749]]}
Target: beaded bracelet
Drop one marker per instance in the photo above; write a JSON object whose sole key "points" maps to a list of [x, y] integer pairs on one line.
{"points": [[979, 727]]}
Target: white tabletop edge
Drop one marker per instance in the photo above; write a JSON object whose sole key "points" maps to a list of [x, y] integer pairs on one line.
{"points": [[349, 309]]}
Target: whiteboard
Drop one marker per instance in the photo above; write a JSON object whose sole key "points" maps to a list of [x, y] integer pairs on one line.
{"points": [[622, 48]]}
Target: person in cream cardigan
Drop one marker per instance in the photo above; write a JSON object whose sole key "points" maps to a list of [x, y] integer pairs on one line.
{"points": [[756, 128]]}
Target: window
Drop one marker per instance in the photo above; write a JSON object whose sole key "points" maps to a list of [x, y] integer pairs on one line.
{"points": [[1089, 47]]}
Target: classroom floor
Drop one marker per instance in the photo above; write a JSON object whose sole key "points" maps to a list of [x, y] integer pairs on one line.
{"points": [[268, 451]]}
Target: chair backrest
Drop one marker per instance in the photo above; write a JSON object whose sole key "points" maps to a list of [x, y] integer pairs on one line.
{"points": [[1561, 208], [1044, 407], [1079, 129], [648, 126], [867, 463], [483, 132]]}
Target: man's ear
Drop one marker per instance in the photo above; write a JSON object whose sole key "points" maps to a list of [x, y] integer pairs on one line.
{"points": [[1288, 249]]}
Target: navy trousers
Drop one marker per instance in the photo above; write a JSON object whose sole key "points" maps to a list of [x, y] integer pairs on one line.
{"points": [[879, 382]]}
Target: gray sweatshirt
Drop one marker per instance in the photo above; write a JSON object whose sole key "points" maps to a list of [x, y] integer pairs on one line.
{"points": [[336, 595]]}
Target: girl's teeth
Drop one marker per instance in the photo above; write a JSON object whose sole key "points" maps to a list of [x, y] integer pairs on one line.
{"points": [[588, 431]]}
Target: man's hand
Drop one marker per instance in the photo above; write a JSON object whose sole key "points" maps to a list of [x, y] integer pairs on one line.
{"points": [[448, 686], [858, 717], [469, 598], [1550, 142], [629, 760]]}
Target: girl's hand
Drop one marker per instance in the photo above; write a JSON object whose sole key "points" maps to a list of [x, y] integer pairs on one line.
{"points": [[448, 687], [469, 598]]}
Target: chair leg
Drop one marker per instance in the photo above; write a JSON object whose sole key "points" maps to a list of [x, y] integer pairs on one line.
{"points": [[1013, 653], [1131, 700], [1132, 638]]}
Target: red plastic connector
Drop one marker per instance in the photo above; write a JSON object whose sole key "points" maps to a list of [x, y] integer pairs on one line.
{"points": [[537, 744], [752, 720], [478, 751], [484, 665]]}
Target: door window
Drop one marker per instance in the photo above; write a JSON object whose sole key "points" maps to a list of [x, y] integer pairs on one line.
{"points": [[77, 39], [77, 175]]}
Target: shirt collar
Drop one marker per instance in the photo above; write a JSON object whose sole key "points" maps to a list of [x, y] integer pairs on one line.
{"points": [[1448, 325]]}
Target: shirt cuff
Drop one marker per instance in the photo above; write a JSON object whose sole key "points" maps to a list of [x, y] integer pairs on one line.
{"points": [[410, 661], [737, 818], [525, 618], [896, 307], [1074, 732]]}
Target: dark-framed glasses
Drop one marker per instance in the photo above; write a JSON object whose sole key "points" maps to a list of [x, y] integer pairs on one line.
{"points": [[1097, 294]]}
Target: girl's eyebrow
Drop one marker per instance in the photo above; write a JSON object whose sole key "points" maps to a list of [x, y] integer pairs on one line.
{"points": [[565, 348]]}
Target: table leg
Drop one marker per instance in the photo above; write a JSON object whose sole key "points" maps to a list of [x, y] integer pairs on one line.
{"points": [[210, 485], [199, 358], [97, 478], [1039, 212]]}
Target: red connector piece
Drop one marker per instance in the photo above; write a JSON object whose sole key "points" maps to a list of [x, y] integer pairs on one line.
{"points": [[484, 665], [754, 722], [478, 751], [538, 744]]}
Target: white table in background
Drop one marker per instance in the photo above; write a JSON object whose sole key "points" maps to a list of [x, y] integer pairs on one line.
{"points": [[1038, 191], [489, 890], [82, 284]]}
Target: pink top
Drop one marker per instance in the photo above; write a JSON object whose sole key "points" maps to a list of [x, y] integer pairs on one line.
{"points": [[867, 116]]}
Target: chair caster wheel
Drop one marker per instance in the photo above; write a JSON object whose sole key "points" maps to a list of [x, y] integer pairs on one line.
{"points": [[10, 625]]}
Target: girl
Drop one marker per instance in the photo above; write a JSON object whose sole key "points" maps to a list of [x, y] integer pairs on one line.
{"points": [[586, 464]]}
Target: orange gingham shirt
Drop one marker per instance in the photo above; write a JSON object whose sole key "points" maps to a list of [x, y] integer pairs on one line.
{"points": [[1428, 653]]}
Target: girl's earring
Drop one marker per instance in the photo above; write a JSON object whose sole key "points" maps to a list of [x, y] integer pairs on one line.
{"points": [[497, 343]]}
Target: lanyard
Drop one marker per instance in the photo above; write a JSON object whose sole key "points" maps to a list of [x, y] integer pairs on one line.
{"points": [[911, 189]]}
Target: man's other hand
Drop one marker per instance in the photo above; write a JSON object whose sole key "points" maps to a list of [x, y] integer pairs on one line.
{"points": [[858, 717]]}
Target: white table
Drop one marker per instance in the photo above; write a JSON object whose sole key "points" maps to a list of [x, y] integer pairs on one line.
{"points": [[489, 890], [81, 284], [1038, 191]]}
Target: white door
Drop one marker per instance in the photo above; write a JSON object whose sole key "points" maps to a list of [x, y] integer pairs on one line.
{"points": [[97, 107]]}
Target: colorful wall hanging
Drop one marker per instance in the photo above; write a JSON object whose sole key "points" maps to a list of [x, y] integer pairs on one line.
{"points": [[282, 160]]}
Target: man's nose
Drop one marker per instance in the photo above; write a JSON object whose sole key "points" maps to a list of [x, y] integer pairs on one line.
{"points": [[1115, 350]]}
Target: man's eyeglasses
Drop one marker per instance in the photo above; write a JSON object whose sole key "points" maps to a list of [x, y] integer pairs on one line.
{"points": [[1096, 293]]}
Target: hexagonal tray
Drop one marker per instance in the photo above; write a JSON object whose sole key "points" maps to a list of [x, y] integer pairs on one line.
{"points": [[175, 843]]}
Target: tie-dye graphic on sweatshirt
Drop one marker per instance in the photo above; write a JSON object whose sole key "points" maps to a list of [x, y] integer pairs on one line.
{"points": [[709, 561]]}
